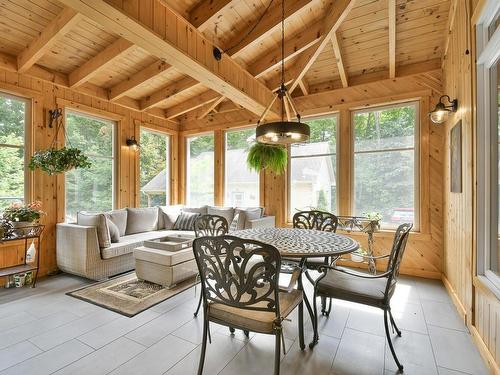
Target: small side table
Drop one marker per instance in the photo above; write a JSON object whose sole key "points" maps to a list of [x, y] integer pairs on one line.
{"points": [[25, 234]]}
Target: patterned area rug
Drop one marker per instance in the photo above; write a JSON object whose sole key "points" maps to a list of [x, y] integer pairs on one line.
{"points": [[128, 295]]}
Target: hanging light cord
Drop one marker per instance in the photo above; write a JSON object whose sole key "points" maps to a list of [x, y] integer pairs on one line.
{"points": [[282, 88], [249, 31]]}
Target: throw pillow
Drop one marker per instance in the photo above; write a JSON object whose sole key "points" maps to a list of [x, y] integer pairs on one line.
{"points": [[114, 232], [234, 224], [186, 220], [119, 218], [141, 220], [226, 212], [249, 214], [99, 222], [167, 215]]}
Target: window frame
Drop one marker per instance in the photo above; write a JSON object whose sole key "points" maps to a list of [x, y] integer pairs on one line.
{"points": [[27, 144], [115, 151], [289, 208], [187, 163], [259, 179], [416, 157], [488, 55], [168, 201]]}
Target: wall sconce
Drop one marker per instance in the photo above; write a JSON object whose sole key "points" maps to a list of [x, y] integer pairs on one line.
{"points": [[133, 144], [440, 113]]}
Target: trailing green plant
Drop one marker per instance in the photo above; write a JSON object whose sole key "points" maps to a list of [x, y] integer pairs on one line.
{"points": [[263, 156], [54, 161], [375, 216]]}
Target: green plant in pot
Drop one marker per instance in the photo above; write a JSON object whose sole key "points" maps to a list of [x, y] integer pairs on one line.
{"points": [[54, 161], [267, 157], [23, 216]]}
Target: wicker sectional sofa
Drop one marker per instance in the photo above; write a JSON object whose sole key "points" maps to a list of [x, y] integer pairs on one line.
{"points": [[85, 249]]}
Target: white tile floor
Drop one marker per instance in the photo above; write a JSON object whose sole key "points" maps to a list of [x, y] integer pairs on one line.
{"points": [[43, 331]]}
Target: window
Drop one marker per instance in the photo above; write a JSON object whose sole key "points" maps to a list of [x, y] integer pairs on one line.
{"points": [[90, 189], [154, 169], [13, 171], [241, 184], [313, 169], [488, 147], [385, 163], [200, 170]]}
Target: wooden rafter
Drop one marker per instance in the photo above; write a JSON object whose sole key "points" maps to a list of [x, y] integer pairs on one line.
{"points": [[168, 92], [340, 60], [449, 27], [204, 13], [334, 18], [123, 88], [54, 31], [392, 38], [191, 104], [180, 45], [103, 59], [271, 20], [211, 107], [304, 86]]}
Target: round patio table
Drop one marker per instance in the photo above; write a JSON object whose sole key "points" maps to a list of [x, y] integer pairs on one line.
{"points": [[302, 244]]}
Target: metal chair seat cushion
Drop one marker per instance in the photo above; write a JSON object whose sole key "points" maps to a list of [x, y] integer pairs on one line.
{"points": [[354, 289], [253, 320]]}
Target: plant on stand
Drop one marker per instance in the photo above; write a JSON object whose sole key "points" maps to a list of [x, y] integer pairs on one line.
{"points": [[23, 215]]}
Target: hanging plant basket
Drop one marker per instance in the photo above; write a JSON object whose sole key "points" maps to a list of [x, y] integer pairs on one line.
{"points": [[264, 156], [54, 161]]}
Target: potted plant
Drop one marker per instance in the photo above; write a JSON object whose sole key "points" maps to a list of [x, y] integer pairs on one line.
{"points": [[264, 156], [372, 222], [54, 160], [23, 215], [357, 256]]}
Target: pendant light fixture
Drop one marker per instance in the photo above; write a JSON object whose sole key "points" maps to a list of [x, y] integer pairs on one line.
{"points": [[285, 131]]}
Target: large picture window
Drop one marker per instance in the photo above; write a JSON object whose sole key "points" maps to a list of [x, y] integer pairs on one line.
{"points": [[385, 163], [154, 168], [313, 169], [13, 120], [90, 189], [488, 147], [200, 170], [241, 184]]}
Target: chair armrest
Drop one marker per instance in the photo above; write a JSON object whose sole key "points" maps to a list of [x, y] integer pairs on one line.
{"points": [[263, 222], [325, 267]]}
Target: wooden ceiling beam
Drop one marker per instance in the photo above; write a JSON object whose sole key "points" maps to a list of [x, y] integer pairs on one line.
{"points": [[152, 71], [269, 22], [392, 38], [191, 104], [211, 107], [304, 86], [54, 31], [169, 92], [205, 12], [340, 60], [103, 59], [179, 44], [334, 18]]}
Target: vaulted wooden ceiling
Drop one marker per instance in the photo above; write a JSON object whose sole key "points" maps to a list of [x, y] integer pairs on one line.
{"points": [[155, 55]]}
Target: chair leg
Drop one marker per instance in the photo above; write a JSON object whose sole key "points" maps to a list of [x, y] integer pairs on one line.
{"points": [[400, 366], [301, 326], [323, 305], [231, 329], [393, 323], [199, 305], [315, 320], [327, 313], [203, 346], [277, 353], [247, 333]]}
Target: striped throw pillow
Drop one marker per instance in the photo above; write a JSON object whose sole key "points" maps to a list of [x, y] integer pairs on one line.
{"points": [[186, 220]]}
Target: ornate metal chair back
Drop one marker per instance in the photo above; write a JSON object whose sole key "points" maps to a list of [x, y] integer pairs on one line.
{"points": [[318, 220], [238, 273], [210, 225], [396, 256]]}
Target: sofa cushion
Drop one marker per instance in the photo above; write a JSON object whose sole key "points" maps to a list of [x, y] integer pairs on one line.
{"points": [[186, 220], [247, 214], [141, 220], [99, 222], [254, 210], [167, 215], [114, 233], [226, 212], [119, 217], [203, 210]]}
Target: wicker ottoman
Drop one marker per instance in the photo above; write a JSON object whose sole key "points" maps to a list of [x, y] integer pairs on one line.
{"points": [[163, 267]]}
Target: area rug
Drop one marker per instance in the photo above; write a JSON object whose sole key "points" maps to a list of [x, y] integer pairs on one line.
{"points": [[128, 295]]}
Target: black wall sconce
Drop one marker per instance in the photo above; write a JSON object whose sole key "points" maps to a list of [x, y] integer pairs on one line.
{"points": [[133, 144], [441, 111]]}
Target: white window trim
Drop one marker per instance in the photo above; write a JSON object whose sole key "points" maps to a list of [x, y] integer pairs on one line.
{"points": [[168, 198], [416, 149], [188, 187], [488, 54], [113, 158], [290, 208]]}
